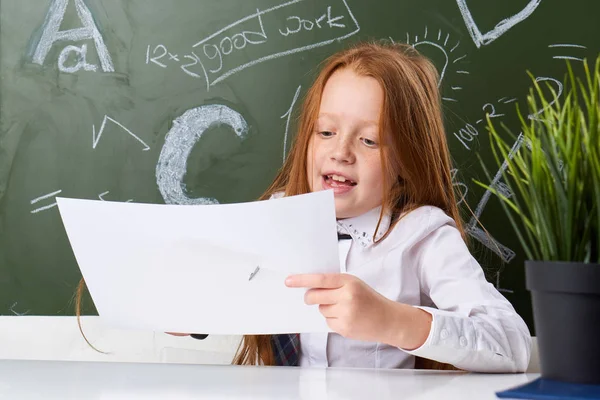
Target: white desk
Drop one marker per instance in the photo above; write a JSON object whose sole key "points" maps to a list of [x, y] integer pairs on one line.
{"points": [[107, 381]]}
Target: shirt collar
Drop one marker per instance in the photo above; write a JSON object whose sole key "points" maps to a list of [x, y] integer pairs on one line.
{"points": [[362, 228]]}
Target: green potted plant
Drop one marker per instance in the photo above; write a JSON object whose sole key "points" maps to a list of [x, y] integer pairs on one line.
{"points": [[554, 209]]}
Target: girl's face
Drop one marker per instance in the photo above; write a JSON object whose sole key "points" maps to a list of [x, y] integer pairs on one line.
{"points": [[344, 151]]}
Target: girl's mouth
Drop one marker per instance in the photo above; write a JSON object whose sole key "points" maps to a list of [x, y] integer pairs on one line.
{"points": [[338, 183]]}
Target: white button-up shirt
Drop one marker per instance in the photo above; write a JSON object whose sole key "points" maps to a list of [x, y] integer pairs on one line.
{"points": [[425, 263]]}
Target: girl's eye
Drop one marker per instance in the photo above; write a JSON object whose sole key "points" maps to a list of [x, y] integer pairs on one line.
{"points": [[326, 133], [369, 142]]}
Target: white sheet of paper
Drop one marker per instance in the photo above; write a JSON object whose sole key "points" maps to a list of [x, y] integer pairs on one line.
{"points": [[185, 268]]}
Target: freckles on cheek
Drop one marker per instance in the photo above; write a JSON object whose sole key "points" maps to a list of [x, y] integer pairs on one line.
{"points": [[311, 167]]}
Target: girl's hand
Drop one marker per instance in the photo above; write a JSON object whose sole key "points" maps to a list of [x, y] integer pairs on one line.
{"points": [[355, 310]]}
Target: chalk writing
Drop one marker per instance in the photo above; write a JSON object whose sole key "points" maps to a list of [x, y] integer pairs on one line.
{"points": [[287, 116], [466, 134], [460, 188], [500, 289], [101, 197], [214, 57], [472, 228], [160, 52], [96, 139], [491, 111], [81, 60], [44, 197], [458, 59], [490, 242], [557, 94], [497, 177], [454, 48], [179, 142], [12, 309], [469, 132], [156, 58], [440, 48], [224, 42], [195, 61], [501, 28], [504, 190], [51, 35], [308, 25], [567, 46]]}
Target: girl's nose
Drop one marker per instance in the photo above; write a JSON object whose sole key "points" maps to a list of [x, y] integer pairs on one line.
{"points": [[342, 152]]}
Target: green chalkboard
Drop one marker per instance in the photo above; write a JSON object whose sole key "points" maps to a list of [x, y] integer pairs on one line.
{"points": [[192, 102]]}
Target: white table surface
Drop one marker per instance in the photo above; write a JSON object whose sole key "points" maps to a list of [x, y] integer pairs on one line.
{"points": [[22, 379]]}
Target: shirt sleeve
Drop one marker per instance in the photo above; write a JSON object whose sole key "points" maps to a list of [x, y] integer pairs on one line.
{"points": [[474, 327]]}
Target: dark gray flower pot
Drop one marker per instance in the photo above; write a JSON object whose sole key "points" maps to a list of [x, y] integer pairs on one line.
{"points": [[566, 314]]}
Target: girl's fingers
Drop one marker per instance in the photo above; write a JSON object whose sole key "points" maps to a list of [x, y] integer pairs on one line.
{"points": [[322, 281], [328, 311], [321, 296]]}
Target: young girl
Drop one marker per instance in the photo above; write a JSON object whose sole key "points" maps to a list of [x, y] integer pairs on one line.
{"points": [[371, 129]]}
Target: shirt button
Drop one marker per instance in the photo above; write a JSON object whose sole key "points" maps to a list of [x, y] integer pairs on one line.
{"points": [[463, 341], [443, 334]]}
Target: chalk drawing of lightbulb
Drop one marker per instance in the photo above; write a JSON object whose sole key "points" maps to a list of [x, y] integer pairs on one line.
{"points": [[440, 43]]}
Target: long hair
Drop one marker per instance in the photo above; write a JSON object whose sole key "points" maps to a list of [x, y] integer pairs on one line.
{"points": [[415, 156]]}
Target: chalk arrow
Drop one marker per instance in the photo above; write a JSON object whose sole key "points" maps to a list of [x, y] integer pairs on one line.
{"points": [[96, 139]]}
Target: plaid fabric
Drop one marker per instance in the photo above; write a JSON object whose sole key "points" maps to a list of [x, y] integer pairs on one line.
{"points": [[286, 349]]}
